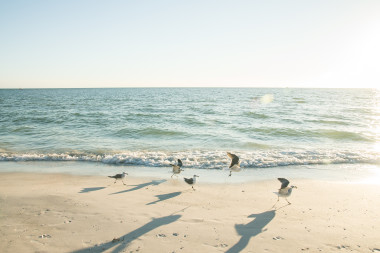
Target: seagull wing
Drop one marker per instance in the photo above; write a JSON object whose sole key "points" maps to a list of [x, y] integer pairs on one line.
{"points": [[235, 159], [284, 182], [116, 176], [188, 180], [179, 163]]}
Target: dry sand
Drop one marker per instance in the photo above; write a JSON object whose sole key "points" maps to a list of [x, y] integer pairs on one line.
{"points": [[66, 213]]}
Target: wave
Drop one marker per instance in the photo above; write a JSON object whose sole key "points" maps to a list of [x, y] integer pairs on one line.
{"points": [[330, 122], [256, 115], [342, 135], [24, 130], [204, 159], [306, 133], [299, 100], [149, 131]]}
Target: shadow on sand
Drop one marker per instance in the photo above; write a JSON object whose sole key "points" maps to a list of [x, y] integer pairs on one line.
{"points": [[91, 189], [162, 197], [251, 229], [139, 186], [121, 243]]}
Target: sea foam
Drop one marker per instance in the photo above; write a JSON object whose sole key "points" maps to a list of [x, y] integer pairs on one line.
{"points": [[204, 159]]}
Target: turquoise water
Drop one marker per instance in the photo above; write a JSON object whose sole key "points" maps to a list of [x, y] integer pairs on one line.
{"points": [[152, 127]]}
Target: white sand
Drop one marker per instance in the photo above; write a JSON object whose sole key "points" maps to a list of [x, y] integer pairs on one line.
{"points": [[65, 213]]}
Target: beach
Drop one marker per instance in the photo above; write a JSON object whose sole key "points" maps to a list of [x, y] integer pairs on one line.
{"points": [[58, 147], [52, 212]]}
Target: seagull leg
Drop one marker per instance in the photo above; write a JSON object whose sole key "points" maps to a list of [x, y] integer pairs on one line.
{"points": [[123, 181], [288, 201], [278, 199], [115, 181], [230, 173], [172, 176]]}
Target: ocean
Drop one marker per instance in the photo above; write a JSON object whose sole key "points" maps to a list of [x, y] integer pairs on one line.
{"points": [[303, 131]]}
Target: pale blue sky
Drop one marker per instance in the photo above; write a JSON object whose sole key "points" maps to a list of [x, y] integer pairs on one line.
{"points": [[324, 43]]}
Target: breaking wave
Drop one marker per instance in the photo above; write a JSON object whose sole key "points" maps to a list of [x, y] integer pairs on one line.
{"points": [[204, 159]]}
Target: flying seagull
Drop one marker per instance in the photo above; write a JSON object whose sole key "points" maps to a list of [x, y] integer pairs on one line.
{"points": [[235, 164], [191, 181], [177, 168], [285, 190], [119, 176]]}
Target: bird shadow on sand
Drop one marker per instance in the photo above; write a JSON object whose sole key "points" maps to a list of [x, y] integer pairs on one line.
{"points": [[91, 189], [163, 197], [122, 242], [251, 229], [139, 186]]}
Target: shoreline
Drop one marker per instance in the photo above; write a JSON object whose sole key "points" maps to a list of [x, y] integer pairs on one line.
{"points": [[42, 212], [346, 173]]}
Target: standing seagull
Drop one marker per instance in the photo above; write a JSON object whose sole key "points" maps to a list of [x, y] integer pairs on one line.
{"points": [[119, 176], [285, 190], [191, 181], [177, 168], [235, 164]]}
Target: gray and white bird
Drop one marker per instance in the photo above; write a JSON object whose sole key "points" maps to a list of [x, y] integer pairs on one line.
{"points": [[119, 176], [191, 181], [285, 190], [177, 167], [235, 164]]}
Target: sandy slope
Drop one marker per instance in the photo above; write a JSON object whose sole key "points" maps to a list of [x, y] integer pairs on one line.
{"points": [[65, 213]]}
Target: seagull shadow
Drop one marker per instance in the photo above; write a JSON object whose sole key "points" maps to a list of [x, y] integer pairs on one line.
{"points": [[251, 229], [122, 242], [139, 186], [162, 197], [91, 189]]}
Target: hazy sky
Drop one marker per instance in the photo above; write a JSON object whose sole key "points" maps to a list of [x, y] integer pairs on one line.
{"points": [[321, 43]]}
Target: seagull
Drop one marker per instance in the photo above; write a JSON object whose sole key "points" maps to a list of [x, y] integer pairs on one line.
{"points": [[191, 181], [119, 176], [285, 190], [235, 164], [177, 168]]}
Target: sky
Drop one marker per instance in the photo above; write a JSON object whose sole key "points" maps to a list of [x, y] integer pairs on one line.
{"points": [[219, 43]]}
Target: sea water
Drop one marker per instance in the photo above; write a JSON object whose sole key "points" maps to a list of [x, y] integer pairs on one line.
{"points": [[299, 132]]}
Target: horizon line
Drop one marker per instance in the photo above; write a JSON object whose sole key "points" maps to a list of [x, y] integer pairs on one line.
{"points": [[188, 87]]}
